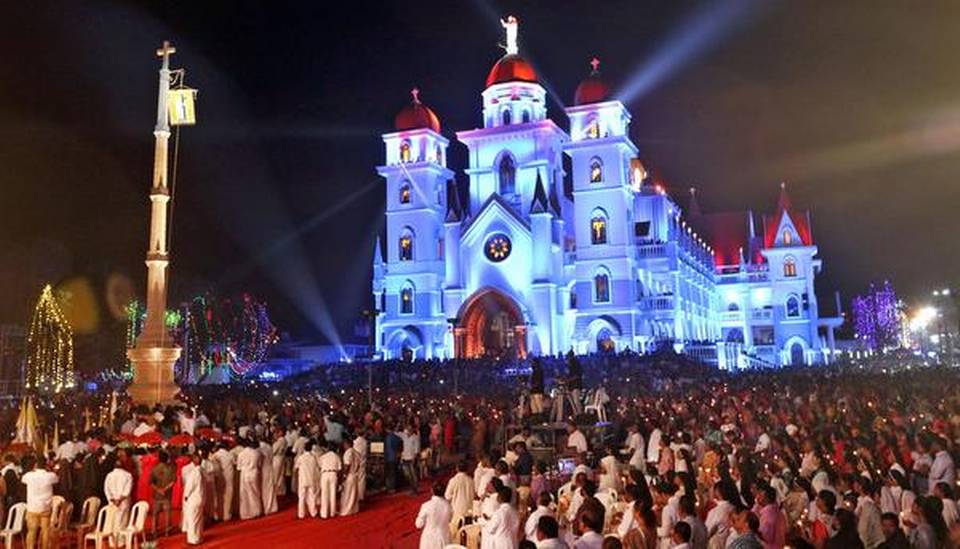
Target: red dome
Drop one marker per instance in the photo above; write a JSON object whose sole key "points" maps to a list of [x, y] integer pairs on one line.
{"points": [[594, 89], [511, 68], [415, 116]]}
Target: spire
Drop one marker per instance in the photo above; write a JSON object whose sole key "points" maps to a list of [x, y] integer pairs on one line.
{"points": [[694, 207], [784, 202], [454, 212], [539, 204], [555, 200], [377, 253]]}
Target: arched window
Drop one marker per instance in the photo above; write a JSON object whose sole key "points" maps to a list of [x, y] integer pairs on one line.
{"points": [[405, 151], [640, 290], [507, 172], [405, 192], [733, 307], [598, 228], [793, 307], [438, 155], [526, 116], [406, 245], [789, 266], [593, 129], [601, 287], [505, 116], [596, 171], [735, 335], [787, 237], [406, 299]]}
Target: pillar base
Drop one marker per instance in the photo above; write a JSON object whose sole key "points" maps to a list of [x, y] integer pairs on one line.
{"points": [[153, 375]]}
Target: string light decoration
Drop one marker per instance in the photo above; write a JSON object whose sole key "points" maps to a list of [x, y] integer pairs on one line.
{"points": [[876, 317], [49, 347]]}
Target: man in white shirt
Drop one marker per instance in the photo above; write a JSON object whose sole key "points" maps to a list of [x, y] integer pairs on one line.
{"points": [[460, 491], [653, 448], [248, 463], [188, 424], [225, 481], [330, 466], [434, 520], [362, 447], [306, 469], [500, 532], [548, 534], [667, 498], [39, 483], [268, 475], [576, 441], [350, 497], [942, 469], [634, 447], [117, 487], [408, 457], [542, 510], [482, 475], [192, 519]]}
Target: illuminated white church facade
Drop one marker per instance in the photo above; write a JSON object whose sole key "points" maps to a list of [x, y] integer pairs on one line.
{"points": [[538, 261]]}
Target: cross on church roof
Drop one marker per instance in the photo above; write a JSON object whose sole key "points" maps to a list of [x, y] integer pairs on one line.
{"points": [[415, 92], [595, 63], [166, 50]]}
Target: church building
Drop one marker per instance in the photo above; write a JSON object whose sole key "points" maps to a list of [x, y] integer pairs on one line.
{"points": [[539, 261]]}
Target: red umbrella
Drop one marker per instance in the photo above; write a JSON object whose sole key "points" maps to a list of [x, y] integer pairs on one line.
{"points": [[150, 438], [208, 433], [182, 439]]}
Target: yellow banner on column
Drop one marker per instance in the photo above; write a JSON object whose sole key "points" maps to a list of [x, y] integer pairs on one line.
{"points": [[180, 107]]}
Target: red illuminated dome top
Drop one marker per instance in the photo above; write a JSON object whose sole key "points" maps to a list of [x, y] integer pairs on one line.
{"points": [[594, 89], [511, 68], [416, 115]]}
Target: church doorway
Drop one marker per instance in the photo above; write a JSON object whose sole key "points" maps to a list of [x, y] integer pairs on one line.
{"points": [[796, 355], [491, 326]]}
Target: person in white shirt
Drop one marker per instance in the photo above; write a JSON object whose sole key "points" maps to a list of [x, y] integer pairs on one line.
{"points": [[362, 447], [542, 510], [306, 469], [350, 497], [591, 526], [610, 472], [951, 513], [576, 441], [117, 487], [434, 520], [653, 448], [408, 457], [192, 519], [212, 479], [279, 457], [460, 491], [634, 447], [482, 475], [39, 483], [548, 534], [268, 475], [667, 498], [330, 466], [687, 511], [248, 463], [718, 518], [225, 480], [500, 532], [942, 469], [188, 424]]}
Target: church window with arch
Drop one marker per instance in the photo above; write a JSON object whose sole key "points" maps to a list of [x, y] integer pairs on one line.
{"points": [[596, 170], [598, 227], [405, 154], [601, 287], [406, 245], [505, 116], [405, 192], [525, 117], [593, 129], [793, 307], [406, 299], [507, 174], [787, 237], [790, 267]]}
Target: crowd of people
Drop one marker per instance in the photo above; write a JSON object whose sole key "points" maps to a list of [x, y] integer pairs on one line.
{"points": [[842, 456]]}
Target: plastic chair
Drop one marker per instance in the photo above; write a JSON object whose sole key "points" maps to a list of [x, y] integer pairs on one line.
{"points": [[103, 529], [14, 526], [88, 518], [60, 522], [134, 534], [454, 546]]}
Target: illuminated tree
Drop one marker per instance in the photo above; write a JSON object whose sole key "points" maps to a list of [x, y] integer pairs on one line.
{"points": [[876, 317], [49, 347]]}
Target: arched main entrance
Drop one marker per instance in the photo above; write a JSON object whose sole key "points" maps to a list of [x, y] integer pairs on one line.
{"points": [[491, 325]]}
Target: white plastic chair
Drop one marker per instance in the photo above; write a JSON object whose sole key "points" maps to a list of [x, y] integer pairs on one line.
{"points": [[88, 518], [103, 529], [134, 535], [454, 546], [60, 522], [14, 526]]}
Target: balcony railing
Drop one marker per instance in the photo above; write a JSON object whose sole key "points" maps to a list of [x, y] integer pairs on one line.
{"points": [[657, 303], [652, 250]]}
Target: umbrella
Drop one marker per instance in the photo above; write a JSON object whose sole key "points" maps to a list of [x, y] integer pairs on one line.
{"points": [[181, 439], [208, 433], [150, 438]]}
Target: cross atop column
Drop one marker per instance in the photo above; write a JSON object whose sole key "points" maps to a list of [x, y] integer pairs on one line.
{"points": [[595, 63], [415, 92], [165, 51]]}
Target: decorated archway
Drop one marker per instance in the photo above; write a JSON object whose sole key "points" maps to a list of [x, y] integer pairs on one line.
{"points": [[405, 343], [491, 325]]}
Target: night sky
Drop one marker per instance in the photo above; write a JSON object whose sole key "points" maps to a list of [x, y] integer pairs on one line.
{"points": [[856, 105]]}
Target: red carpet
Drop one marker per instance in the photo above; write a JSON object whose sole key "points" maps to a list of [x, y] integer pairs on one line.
{"points": [[383, 521]]}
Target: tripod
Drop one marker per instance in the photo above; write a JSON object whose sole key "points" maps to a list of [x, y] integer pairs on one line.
{"points": [[562, 398]]}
